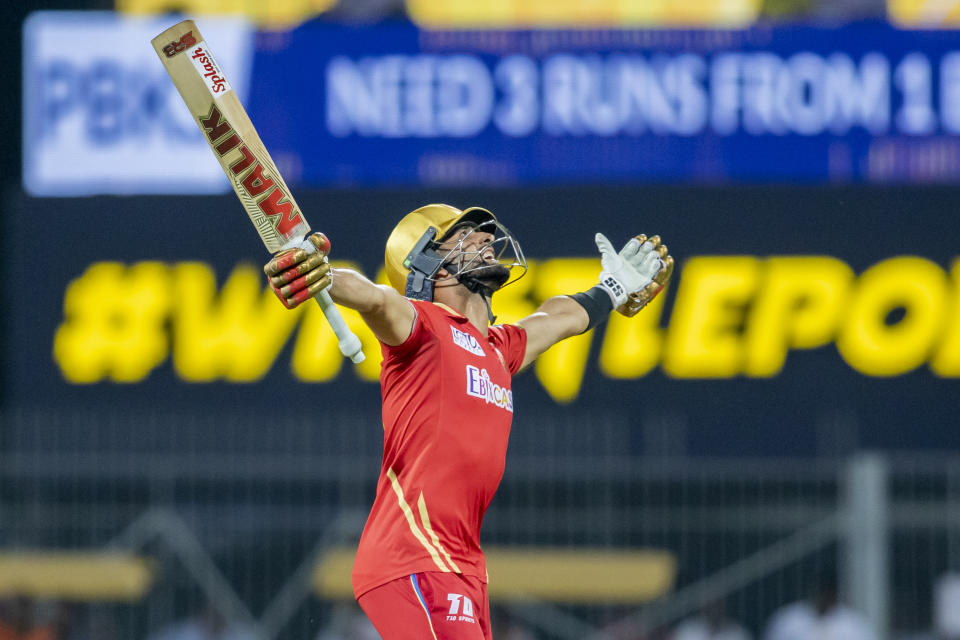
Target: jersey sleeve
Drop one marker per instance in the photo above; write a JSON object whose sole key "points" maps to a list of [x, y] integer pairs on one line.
{"points": [[511, 341], [422, 330]]}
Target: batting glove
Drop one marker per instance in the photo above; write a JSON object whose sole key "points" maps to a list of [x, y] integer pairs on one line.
{"points": [[296, 275], [634, 276]]}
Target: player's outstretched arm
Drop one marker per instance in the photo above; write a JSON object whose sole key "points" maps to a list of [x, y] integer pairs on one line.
{"points": [[556, 319], [629, 280], [296, 276], [388, 314]]}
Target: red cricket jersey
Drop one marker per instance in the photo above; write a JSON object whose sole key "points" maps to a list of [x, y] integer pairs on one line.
{"points": [[447, 409]]}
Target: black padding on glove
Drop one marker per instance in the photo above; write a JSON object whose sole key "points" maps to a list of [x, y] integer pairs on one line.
{"points": [[597, 304]]}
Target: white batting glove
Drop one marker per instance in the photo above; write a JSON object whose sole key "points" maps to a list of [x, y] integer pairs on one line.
{"points": [[629, 271]]}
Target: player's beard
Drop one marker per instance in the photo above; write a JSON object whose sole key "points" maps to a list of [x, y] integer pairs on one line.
{"points": [[493, 276]]}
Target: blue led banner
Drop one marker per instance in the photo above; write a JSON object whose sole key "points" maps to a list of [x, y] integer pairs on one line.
{"points": [[394, 105]]}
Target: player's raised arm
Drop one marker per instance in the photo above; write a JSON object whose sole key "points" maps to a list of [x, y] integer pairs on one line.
{"points": [[629, 280], [296, 276]]}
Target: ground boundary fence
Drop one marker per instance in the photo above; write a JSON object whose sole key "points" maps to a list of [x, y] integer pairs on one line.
{"points": [[240, 520]]}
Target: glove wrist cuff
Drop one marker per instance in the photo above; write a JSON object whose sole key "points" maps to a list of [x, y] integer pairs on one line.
{"points": [[597, 303], [612, 287]]}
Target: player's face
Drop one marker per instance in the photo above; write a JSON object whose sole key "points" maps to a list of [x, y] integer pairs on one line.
{"points": [[472, 250], [470, 241]]}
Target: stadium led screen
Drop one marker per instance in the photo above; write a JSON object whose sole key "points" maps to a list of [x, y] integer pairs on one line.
{"points": [[394, 105]]}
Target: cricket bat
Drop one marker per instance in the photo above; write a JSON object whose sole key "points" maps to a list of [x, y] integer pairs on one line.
{"points": [[231, 135]]}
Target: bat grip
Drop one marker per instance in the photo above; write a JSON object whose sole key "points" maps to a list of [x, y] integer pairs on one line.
{"points": [[348, 342]]}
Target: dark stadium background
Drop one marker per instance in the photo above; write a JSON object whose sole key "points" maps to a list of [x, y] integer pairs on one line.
{"points": [[713, 470]]}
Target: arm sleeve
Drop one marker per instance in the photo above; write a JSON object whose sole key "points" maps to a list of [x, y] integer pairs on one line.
{"points": [[511, 340], [422, 330], [413, 341]]}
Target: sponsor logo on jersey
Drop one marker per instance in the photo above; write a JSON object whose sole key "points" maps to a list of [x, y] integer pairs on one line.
{"points": [[466, 341], [479, 385], [461, 608]]}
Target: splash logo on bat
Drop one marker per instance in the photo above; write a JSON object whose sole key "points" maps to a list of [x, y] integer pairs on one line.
{"points": [[278, 211], [205, 64]]}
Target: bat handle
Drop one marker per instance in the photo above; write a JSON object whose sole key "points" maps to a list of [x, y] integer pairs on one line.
{"points": [[348, 342]]}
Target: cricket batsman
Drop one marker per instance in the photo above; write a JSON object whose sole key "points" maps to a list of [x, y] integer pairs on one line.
{"points": [[447, 402]]}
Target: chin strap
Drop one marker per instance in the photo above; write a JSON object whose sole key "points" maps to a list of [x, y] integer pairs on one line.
{"points": [[490, 316], [475, 286]]}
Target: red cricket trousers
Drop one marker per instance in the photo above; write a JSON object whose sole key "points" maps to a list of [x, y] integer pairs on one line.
{"points": [[430, 606]]}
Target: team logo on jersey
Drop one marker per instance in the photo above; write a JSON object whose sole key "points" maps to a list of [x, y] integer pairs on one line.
{"points": [[466, 341], [461, 608], [479, 385]]}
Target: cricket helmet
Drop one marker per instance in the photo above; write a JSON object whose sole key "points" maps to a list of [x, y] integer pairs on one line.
{"points": [[413, 255]]}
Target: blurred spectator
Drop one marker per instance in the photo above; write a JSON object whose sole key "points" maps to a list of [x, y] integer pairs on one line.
{"points": [[830, 10], [348, 622], [507, 627], [946, 607], [100, 623], [822, 617], [64, 621], [711, 624], [622, 623], [786, 8], [850, 10], [365, 11], [210, 624], [18, 620]]}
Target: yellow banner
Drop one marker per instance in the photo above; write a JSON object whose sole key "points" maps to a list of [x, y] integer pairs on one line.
{"points": [[495, 14], [732, 316], [582, 14], [275, 14], [924, 13]]}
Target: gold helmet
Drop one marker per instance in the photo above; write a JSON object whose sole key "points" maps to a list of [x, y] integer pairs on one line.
{"points": [[411, 256]]}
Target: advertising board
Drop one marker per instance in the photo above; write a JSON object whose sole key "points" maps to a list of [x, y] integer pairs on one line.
{"points": [[791, 309], [100, 113]]}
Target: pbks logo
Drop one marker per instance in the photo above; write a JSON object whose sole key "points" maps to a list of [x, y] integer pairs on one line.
{"points": [[208, 68], [275, 205], [466, 341], [479, 385]]}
